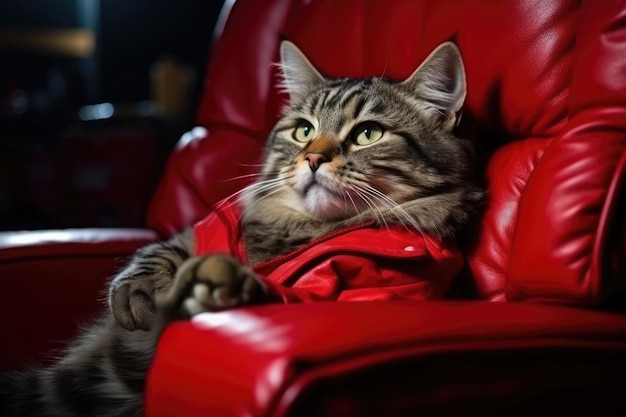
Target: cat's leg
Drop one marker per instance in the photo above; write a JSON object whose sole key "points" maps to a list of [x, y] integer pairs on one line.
{"points": [[210, 283], [101, 374], [152, 270]]}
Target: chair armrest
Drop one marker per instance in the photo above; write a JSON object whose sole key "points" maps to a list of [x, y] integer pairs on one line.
{"points": [[54, 281], [388, 358]]}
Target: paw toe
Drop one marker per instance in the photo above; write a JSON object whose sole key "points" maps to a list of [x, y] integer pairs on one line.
{"points": [[201, 292], [192, 306]]}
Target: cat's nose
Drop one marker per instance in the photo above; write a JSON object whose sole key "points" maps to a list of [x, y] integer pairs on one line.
{"points": [[316, 159]]}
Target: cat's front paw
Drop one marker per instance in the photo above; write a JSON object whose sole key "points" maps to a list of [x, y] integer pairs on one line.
{"points": [[132, 299], [211, 283]]}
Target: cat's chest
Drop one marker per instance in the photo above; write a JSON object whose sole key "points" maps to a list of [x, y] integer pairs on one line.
{"points": [[265, 240]]}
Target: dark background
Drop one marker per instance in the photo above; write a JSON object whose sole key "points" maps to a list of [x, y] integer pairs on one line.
{"points": [[58, 170]]}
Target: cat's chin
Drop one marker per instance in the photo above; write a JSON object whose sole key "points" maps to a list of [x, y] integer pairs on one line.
{"points": [[325, 205]]}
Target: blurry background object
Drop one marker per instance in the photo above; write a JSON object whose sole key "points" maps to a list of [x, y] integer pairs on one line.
{"points": [[78, 43], [93, 96], [172, 82]]}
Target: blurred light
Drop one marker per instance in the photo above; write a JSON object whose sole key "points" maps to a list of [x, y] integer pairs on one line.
{"points": [[19, 102], [96, 111], [194, 134], [254, 330], [30, 238]]}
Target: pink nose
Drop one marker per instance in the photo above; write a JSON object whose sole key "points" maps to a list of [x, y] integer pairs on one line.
{"points": [[315, 159]]}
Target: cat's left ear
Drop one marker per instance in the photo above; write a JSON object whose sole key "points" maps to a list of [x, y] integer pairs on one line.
{"points": [[299, 75], [440, 81]]}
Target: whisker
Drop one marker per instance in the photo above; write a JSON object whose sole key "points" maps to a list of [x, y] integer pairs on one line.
{"points": [[277, 187], [375, 210], [260, 173], [356, 209], [251, 165], [255, 187], [392, 206], [382, 75], [240, 177], [261, 186]]}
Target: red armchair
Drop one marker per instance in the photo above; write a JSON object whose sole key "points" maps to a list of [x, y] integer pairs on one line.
{"points": [[536, 323]]}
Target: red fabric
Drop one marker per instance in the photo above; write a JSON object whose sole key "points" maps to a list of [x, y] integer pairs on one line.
{"points": [[359, 263]]}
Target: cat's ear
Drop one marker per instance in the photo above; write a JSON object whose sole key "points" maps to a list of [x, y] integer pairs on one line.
{"points": [[440, 81], [298, 72]]}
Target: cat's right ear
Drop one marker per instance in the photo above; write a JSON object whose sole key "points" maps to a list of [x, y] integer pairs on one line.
{"points": [[440, 82], [299, 75]]}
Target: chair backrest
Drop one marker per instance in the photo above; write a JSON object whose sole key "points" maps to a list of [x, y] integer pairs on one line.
{"points": [[546, 100]]}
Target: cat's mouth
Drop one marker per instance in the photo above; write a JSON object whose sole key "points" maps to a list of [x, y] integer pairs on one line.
{"points": [[323, 183], [321, 193], [314, 185]]}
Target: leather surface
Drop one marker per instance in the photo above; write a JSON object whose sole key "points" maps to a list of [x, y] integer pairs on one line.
{"points": [[52, 283], [202, 171], [276, 360], [33, 243], [566, 207], [546, 91], [494, 234]]}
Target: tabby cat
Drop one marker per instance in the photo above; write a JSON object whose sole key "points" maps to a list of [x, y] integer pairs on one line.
{"points": [[345, 151]]}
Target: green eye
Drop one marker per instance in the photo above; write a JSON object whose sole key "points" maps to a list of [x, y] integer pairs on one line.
{"points": [[304, 132], [367, 134]]}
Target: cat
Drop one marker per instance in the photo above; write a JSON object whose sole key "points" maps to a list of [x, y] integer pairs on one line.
{"points": [[345, 152]]}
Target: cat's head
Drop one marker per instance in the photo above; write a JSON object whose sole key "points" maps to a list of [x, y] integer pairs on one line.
{"points": [[348, 146]]}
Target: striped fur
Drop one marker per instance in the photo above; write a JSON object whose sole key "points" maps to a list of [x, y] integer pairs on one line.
{"points": [[418, 174], [345, 151]]}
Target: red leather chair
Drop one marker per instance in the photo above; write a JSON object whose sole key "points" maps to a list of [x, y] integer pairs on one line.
{"points": [[537, 323]]}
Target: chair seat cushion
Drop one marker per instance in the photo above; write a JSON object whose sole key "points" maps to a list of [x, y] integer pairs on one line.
{"points": [[272, 360]]}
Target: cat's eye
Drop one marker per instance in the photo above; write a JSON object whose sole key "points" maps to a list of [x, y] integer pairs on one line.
{"points": [[304, 132], [367, 134]]}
